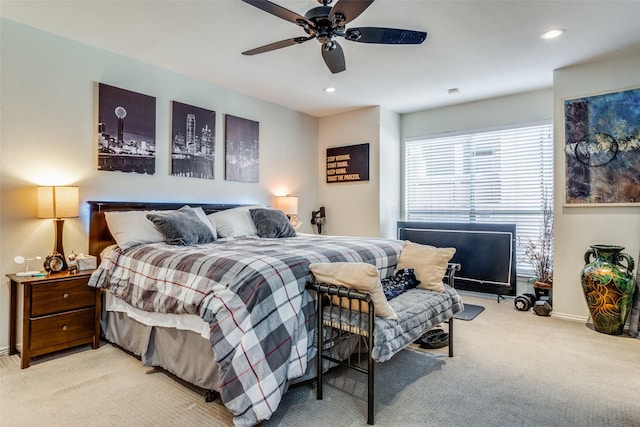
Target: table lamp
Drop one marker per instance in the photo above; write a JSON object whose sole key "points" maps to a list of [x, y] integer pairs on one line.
{"points": [[289, 205], [58, 203]]}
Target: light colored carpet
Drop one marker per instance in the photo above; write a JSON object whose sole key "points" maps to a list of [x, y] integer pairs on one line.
{"points": [[510, 368]]}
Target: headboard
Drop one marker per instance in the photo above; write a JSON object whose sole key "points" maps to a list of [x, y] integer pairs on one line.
{"points": [[99, 235]]}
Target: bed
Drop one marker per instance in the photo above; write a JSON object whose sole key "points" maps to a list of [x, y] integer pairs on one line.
{"points": [[231, 315]]}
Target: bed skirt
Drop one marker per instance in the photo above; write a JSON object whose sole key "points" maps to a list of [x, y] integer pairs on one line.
{"points": [[183, 353]]}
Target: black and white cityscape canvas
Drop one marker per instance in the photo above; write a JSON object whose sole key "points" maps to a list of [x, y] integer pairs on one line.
{"points": [[193, 141], [242, 156], [126, 131]]}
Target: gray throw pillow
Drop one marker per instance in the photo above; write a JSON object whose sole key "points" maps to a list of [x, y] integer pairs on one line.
{"points": [[182, 227], [272, 223]]}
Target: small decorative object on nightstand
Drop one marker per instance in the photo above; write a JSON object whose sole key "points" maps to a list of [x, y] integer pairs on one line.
{"points": [[86, 262], [59, 311], [26, 273]]}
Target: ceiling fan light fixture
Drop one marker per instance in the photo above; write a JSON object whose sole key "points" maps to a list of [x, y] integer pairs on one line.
{"points": [[330, 45], [353, 35], [552, 34]]}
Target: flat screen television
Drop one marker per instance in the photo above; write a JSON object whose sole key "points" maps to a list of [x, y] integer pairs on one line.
{"points": [[486, 252]]}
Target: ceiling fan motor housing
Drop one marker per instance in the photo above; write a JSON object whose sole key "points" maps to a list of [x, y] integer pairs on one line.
{"points": [[318, 12]]}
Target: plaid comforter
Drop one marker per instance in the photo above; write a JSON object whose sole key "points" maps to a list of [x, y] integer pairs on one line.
{"points": [[252, 293]]}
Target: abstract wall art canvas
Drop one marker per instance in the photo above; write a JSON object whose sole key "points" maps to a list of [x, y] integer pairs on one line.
{"points": [[126, 131], [602, 149], [193, 131]]}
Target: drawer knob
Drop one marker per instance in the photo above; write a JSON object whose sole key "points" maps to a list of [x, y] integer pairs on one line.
{"points": [[65, 295], [64, 327]]}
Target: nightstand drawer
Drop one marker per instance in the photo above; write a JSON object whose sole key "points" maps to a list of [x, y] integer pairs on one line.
{"points": [[57, 329], [58, 296]]}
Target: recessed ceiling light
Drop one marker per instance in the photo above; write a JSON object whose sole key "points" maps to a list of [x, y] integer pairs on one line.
{"points": [[552, 34], [330, 89]]}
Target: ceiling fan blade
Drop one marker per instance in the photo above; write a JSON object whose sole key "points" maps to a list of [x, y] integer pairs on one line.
{"points": [[334, 57], [280, 12], [349, 9], [385, 35], [277, 45]]}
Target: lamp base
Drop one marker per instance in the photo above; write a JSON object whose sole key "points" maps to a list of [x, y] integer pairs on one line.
{"points": [[57, 248]]}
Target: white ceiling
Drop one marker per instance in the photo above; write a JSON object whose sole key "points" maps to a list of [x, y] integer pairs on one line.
{"points": [[483, 48]]}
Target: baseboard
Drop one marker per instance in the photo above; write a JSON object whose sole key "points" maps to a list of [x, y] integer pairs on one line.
{"points": [[484, 295], [571, 317], [4, 351]]}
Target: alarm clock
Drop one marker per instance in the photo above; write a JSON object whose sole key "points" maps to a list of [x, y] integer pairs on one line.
{"points": [[54, 263]]}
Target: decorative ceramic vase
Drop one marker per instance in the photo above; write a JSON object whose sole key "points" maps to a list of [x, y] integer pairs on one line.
{"points": [[608, 287]]}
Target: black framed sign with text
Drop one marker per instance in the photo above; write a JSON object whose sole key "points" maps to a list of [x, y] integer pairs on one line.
{"points": [[348, 164]]}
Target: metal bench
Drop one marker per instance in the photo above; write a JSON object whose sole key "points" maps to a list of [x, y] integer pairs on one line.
{"points": [[345, 314]]}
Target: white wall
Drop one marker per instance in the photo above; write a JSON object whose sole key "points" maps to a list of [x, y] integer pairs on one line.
{"points": [[495, 112], [352, 208], [48, 137], [390, 191], [576, 228]]}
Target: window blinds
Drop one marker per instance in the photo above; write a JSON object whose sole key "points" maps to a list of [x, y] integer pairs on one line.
{"points": [[497, 176]]}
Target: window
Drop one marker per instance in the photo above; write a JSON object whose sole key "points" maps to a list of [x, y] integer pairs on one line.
{"points": [[496, 176]]}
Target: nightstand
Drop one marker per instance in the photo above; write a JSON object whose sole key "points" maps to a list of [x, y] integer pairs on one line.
{"points": [[59, 311]]}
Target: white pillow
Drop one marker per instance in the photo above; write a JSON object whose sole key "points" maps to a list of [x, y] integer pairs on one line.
{"points": [[131, 228], [360, 276], [235, 222]]}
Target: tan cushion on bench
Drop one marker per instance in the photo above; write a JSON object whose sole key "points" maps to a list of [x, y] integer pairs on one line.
{"points": [[359, 276], [429, 263]]}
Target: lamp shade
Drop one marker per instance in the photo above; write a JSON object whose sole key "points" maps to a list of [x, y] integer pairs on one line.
{"points": [[287, 204], [58, 202]]}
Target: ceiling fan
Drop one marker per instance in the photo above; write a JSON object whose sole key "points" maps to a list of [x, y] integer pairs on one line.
{"points": [[325, 23]]}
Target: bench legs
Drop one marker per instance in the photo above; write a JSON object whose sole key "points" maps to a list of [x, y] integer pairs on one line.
{"points": [[345, 331], [325, 292], [450, 321]]}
